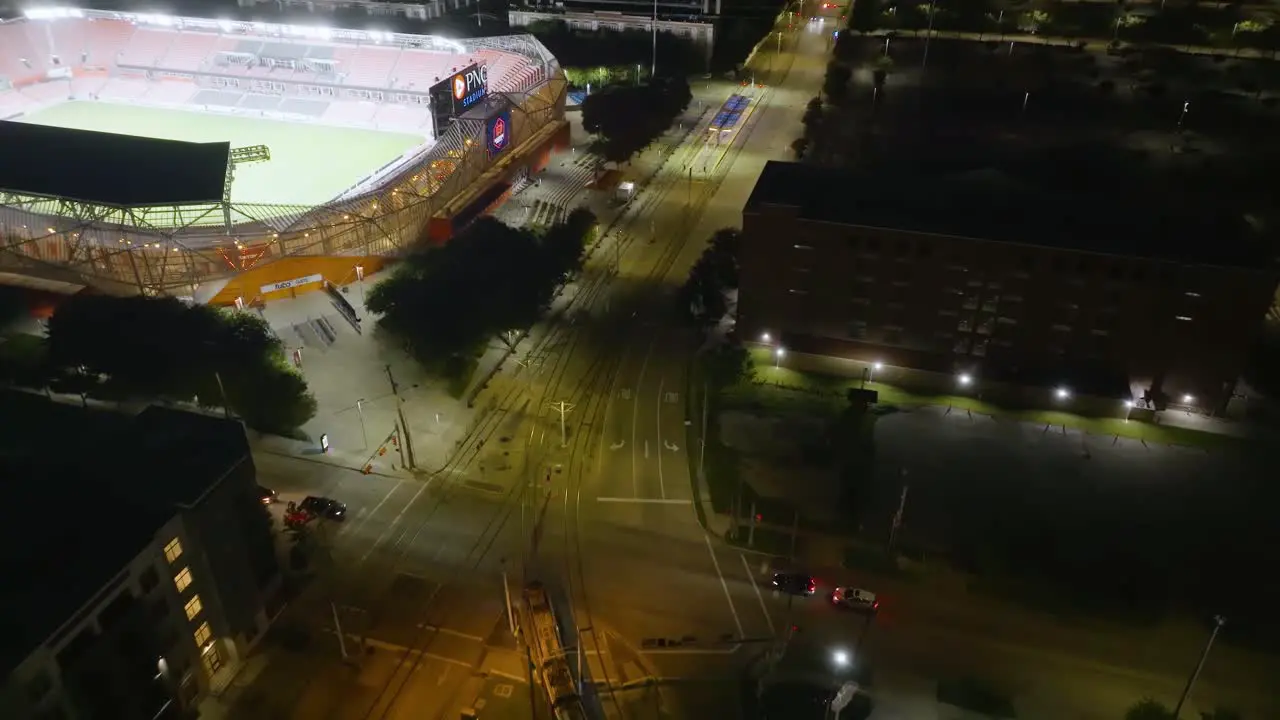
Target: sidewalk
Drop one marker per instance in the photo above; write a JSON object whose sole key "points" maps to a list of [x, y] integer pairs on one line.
{"points": [[1089, 43]]}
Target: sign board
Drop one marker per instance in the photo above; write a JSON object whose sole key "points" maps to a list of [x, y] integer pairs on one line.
{"points": [[497, 133], [458, 93], [296, 282]]}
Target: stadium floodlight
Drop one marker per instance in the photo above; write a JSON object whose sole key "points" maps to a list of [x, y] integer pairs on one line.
{"points": [[51, 13], [450, 44]]}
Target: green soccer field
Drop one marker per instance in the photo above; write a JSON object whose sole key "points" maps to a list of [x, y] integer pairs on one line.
{"points": [[310, 164]]}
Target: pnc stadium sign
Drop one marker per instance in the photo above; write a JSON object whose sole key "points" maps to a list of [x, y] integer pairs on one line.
{"points": [[469, 87]]}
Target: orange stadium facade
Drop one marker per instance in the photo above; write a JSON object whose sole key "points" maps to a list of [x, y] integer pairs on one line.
{"points": [[222, 251]]}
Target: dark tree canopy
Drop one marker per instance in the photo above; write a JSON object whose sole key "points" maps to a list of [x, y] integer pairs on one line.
{"points": [[447, 302], [162, 348], [702, 297], [626, 118]]}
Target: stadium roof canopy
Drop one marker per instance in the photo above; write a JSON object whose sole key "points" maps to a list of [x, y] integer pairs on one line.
{"points": [[110, 169]]}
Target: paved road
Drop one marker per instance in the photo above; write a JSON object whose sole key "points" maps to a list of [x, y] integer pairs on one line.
{"points": [[416, 572]]}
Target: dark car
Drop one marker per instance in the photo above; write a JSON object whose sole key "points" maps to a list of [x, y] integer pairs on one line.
{"points": [[324, 507], [267, 495], [795, 583]]}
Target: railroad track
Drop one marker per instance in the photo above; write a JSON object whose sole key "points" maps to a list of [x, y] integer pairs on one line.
{"points": [[590, 387]]}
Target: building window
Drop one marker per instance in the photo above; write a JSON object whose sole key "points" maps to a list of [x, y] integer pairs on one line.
{"points": [[1183, 318], [148, 580], [193, 607], [202, 634], [961, 347], [793, 291], [802, 247], [173, 550], [980, 348], [1002, 320], [1192, 294], [965, 325], [182, 579]]}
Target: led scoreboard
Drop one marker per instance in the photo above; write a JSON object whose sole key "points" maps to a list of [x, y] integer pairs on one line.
{"points": [[457, 93]]}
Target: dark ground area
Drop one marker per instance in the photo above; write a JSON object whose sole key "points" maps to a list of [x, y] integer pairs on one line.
{"points": [[1060, 116], [1121, 528]]}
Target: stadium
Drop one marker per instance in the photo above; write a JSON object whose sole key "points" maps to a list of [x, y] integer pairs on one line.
{"points": [[230, 161]]}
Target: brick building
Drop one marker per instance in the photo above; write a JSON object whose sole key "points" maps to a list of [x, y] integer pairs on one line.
{"points": [[974, 273]]}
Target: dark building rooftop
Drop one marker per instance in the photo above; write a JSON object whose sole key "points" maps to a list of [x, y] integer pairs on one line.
{"points": [[86, 490], [110, 169], [992, 205]]}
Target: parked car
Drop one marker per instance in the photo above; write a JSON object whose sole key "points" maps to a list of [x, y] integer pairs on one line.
{"points": [[855, 599], [795, 583], [324, 507], [267, 495]]}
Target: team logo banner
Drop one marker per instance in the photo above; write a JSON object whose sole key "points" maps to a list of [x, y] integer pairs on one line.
{"points": [[498, 132]]}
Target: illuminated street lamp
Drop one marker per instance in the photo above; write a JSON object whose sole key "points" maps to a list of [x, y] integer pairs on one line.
{"points": [[840, 658], [965, 379], [1188, 399], [766, 338], [1062, 393], [777, 357]]}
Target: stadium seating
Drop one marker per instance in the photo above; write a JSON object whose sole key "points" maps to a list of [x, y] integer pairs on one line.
{"points": [[105, 40], [86, 86], [189, 51], [147, 48], [19, 58], [13, 104], [70, 41], [419, 70], [400, 117], [172, 92], [48, 92], [123, 89], [370, 66]]}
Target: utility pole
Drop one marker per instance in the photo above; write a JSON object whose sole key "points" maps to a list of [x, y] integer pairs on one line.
{"points": [[1218, 622], [564, 409], [406, 442], [363, 433]]}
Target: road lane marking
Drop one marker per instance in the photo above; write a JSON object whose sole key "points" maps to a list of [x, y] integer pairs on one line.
{"points": [[724, 585], [635, 415], [652, 501], [363, 520], [662, 483], [754, 586], [395, 521]]}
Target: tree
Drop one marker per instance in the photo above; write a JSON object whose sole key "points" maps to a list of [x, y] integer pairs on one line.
{"points": [[800, 146], [865, 16], [727, 365], [1148, 709], [446, 303], [144, 347], [835, 85], [702, 297], [626, 118], [812, 114]]}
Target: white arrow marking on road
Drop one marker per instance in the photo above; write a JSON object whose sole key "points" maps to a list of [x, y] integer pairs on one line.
{"points": [[670, 445], [618, 445]]}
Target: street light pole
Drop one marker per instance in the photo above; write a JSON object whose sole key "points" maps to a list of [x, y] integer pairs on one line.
{"points": [[1218, 622], [653, 66], [364, 435]]}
